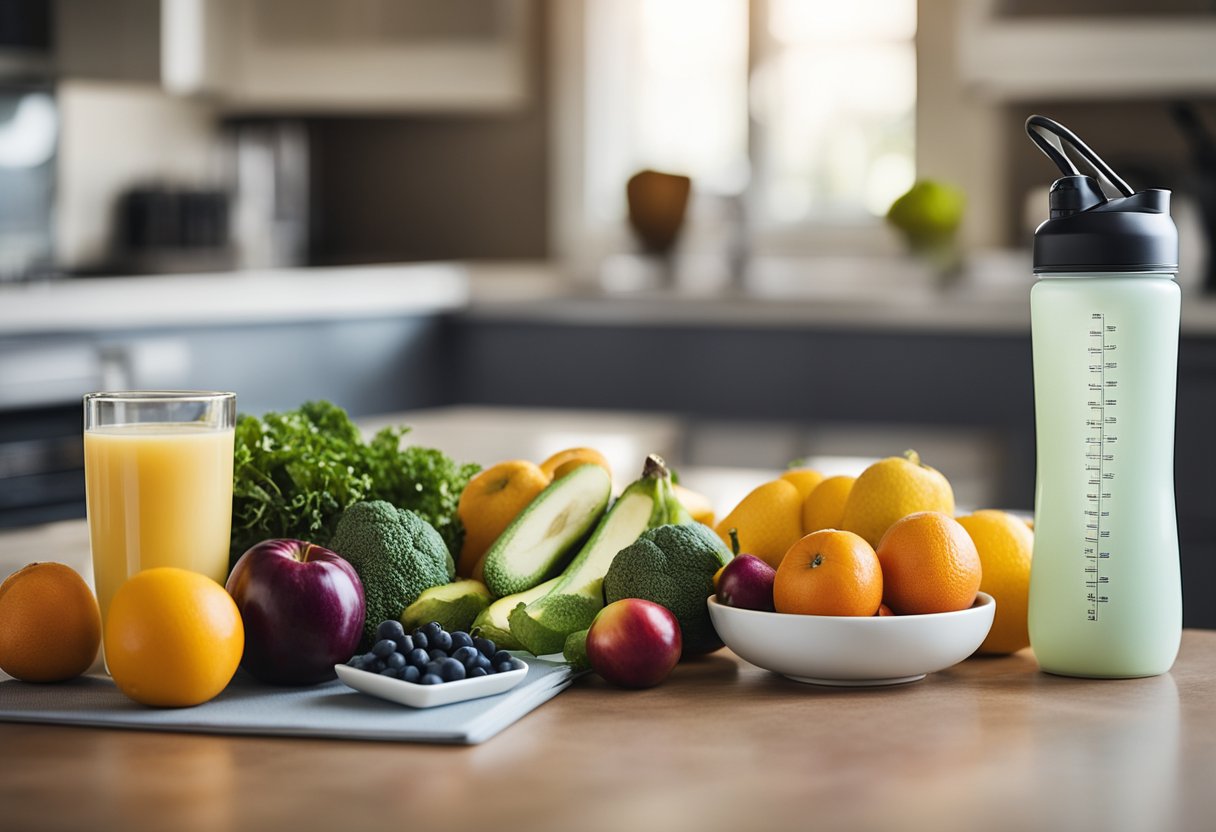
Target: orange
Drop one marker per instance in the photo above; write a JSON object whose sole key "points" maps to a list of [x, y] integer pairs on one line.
{"points": [[768, 520], [929, 564], [173, 638], [829, 572], [804, 479], [823, 508], [489, 503], [698, 505], [49, 624], [582, 455], [893, 488], [884, 611], [1004, 543]]}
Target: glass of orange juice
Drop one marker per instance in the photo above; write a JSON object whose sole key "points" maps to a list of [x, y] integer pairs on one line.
{"points": [[158, 482]]}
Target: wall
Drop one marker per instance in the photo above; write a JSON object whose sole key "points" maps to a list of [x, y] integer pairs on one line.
{"points": [[435, 186], [115, 135]]}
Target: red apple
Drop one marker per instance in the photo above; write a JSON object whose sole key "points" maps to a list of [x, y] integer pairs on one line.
{"points": [[303, 608], [747, 582], [634, 643]]}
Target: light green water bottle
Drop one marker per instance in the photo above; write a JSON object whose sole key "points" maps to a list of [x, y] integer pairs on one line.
{"points": [[1105, 587]]}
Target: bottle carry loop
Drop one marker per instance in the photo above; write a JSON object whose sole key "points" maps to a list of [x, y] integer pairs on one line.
{"points": [[1050, 136]]}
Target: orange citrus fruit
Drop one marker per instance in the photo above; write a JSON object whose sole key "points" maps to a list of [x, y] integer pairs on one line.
{"points": [[1004, 543], [489, 503], [884, 611], [586, 456], [823, 508], [893, 488], [49, 624], [804, 479], [768, 520], [173, 638], [829, 572], [929, 564]]}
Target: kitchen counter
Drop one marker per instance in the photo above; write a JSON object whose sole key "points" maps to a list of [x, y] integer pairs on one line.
{"points": [[231, 298], [990, 744], [858, 293]]}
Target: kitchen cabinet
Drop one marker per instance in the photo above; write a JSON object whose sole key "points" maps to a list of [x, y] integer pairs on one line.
{"points": [[378, 56]]}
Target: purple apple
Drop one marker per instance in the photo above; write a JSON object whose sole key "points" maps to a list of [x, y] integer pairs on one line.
{"points": [[634, 643], [747, 582], [303, 609]]}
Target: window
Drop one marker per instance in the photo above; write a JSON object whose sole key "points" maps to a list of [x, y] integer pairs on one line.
{"points": [[804, 108]]}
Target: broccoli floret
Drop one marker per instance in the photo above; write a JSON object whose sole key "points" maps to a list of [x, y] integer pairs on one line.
{"points": [[397, 555], [673, 566]]}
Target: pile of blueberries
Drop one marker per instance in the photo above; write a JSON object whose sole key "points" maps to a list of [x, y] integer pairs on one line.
{"points": [[431, 655]]}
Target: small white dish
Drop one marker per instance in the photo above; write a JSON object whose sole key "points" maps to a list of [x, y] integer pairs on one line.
{"points": [[428, 696], [853, 651]]}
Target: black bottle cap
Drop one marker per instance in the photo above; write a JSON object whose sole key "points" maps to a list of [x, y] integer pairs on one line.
{"points": [[1086, 231]]}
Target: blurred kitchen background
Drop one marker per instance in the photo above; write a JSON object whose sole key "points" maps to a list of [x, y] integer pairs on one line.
{"points": [[433, 208]]}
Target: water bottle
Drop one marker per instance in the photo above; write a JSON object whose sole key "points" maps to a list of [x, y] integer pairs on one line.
{"points": [[1105, 586]]}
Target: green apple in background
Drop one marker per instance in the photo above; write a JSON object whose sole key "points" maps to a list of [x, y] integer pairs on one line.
{"points": [[929, 214]]}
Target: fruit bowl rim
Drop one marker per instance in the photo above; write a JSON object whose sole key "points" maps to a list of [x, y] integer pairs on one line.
{"points": [[982, 599]]}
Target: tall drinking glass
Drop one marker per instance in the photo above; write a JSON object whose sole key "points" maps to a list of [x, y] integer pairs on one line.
{"points": [[158, 480]]}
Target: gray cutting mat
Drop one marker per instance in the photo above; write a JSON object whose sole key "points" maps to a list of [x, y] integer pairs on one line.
{"points": [[247, 707]]}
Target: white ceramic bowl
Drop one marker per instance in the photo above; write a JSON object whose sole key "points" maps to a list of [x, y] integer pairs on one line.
{"points": [[844, 650]]}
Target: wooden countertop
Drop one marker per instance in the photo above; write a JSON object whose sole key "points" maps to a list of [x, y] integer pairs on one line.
{"points": [[991, 744]]}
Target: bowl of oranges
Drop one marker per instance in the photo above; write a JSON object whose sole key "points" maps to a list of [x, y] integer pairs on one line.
{"points": [[881, 585]]}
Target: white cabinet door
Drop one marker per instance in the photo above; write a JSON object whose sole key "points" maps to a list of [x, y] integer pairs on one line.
{"points": [[349, 56]]}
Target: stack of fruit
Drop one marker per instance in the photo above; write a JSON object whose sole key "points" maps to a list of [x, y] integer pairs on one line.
{"points": [[885, 543], [549, 563]]}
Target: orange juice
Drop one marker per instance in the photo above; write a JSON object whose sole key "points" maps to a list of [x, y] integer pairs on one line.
{"points": [[159, 494]]}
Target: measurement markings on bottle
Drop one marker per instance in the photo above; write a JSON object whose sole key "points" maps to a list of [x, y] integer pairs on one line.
{"points": [[1099, 459]]}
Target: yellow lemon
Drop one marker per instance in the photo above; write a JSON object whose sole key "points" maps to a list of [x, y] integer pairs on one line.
{"points": [[804, 479], [580, 456], [891, 489], [1005, 544], [768, 520], [824, 506], [698, 505]]}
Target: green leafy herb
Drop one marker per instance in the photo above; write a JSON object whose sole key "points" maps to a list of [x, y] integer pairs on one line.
{"points": [[295, 472]]}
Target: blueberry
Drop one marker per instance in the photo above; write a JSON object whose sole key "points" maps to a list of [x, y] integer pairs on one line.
{"points": [[390, 630], [478, 671], [434, 667], [431, 679], [356, 661], [396, 661], [504, 667], [405, 643], [432, 630], [486, 646], [461, 639], [500, 657], [437, 655], [451, 670], [418, 658], [389, 671], [376, 666], [420, 639], [384, 648], [442, 640], [409, 673], [466, 655], [483, 661]]}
